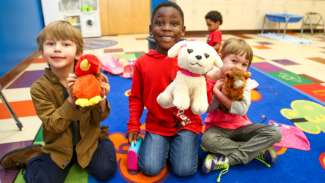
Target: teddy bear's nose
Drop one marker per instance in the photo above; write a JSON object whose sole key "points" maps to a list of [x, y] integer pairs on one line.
{"points": [[198, 57]]}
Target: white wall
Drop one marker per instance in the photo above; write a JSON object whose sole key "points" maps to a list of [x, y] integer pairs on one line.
{"points": [[245, 14]]}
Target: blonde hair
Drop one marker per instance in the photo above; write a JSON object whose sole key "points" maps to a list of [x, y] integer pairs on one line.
{"points": [[238, 47], [60, 30]]}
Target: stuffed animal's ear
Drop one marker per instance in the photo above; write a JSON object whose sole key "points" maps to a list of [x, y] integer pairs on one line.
{"points": [[173, 51], [217, 60]]}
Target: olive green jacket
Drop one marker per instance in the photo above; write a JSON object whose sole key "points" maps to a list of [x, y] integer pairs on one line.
{"points": [[56, 114]]}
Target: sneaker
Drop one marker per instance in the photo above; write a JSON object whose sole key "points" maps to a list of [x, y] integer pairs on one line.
{"points": [[216, 162], [267, 157]]}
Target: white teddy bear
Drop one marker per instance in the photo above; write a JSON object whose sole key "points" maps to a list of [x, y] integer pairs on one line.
{"points": [[195, 59]]}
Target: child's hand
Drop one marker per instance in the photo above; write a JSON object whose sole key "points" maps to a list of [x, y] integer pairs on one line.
{"points": [[218, 86], [71, 79], [133, 136], [104, 84]]}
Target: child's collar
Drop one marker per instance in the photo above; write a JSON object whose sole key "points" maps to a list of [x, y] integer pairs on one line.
{"points": [[156, 54]]}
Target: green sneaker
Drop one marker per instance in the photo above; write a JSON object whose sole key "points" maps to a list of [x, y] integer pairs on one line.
{"points": [[216, 162], [267, 157]]}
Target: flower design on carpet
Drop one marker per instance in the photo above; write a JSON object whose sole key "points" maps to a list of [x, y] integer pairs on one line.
{"points": [[306, 115], [322, 159], [256, 96], [121, 146]]}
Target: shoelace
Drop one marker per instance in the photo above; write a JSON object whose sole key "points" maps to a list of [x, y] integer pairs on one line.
{"points": [[222, 172], [224, 169], [260, 158]]}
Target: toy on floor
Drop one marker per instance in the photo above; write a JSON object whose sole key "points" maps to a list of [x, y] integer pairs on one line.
{"points": [[132, 156], [111, 64], [87, 87], [188, 89], [128, 69], [292, 137]]}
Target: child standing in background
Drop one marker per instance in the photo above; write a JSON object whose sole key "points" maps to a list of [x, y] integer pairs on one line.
{"points": [[230, 137], [165, 138], [213, 20]]}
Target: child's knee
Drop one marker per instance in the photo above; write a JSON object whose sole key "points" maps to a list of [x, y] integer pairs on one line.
{"points": [[183, 171], [276, 135], [273, 133], [206, 137], [105, 173], [204, 144], [41, 169], [209, 140], [150, 169], [103, 165], [149, 166]]}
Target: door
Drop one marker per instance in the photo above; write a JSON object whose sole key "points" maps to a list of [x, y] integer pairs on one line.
{"points": [[124, 16]]}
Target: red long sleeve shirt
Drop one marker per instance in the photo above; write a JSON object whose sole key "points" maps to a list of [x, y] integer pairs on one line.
{"points": [[153, 72]]}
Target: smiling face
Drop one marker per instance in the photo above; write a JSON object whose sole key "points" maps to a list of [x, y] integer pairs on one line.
{"points": [[60, 43], [59, 54], [167, 28]]}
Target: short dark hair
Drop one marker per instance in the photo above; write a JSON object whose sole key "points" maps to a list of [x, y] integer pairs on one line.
{"points": [[167, 4], [215, 16]]}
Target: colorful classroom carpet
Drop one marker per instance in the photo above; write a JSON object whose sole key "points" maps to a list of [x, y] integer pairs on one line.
{"points": [[282, 96]]}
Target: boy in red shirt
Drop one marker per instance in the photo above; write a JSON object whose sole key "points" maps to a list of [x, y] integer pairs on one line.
{"points": [[165, 138], [213, 20]]}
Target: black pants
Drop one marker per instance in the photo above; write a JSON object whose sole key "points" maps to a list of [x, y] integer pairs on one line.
{"points": [[102, 166]]}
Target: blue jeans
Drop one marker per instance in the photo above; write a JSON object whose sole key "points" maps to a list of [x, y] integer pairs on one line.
{"points": [[102, 166], [181, 149]]}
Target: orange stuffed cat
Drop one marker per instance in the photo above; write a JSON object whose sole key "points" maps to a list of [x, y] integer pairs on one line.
{"points": [[234, 85]]}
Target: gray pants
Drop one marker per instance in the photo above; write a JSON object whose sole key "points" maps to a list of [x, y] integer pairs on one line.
{"points": [[240, 145]]}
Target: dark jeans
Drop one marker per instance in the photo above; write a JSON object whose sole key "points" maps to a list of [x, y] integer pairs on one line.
{"points": [[102, 166]]}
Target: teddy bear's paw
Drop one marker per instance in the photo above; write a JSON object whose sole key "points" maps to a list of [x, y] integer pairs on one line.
{"points": [[164, 100], [181, 104], [199, 108]]}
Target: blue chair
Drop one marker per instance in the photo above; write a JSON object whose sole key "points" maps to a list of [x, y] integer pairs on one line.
{"points": [[281, 18]]}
